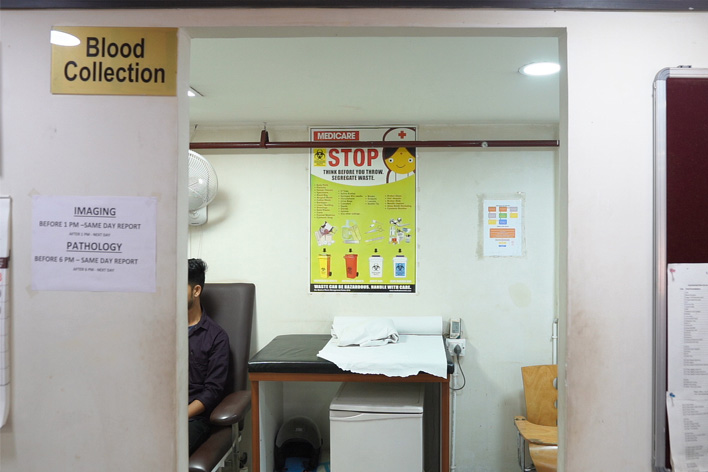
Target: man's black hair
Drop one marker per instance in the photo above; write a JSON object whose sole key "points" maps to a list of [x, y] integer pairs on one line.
{"points": [[197, 269]]}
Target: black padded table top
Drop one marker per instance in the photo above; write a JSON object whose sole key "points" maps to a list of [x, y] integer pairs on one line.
{"points": [[297, 353]]}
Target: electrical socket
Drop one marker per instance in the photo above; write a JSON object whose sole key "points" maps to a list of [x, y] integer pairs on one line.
{"points": [[451, 343]]}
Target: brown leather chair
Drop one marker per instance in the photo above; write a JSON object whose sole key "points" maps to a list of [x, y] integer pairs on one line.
{"points": [[231, 306], [538, 430]]}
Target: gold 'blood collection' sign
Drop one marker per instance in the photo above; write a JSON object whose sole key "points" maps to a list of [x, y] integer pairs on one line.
{"points": [[114, 61]]}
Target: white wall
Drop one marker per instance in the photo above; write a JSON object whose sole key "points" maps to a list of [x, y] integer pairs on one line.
{"points": [[606, 399], [259, 232], [95, 378]]}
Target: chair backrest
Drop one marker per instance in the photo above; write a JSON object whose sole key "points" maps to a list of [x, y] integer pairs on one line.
{"points": [[541, 394], [231, 306]]}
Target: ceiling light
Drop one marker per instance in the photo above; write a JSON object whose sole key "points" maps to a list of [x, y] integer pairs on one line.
{"points": [[60, 38], [192, 92], [540, 68]]}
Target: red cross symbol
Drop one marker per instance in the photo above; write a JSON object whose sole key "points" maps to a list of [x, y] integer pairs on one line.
{"points": [[402, 134]]}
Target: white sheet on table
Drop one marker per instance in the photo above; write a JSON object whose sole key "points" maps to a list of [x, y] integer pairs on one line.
{"points": [[368, 332], [402, 324], [409, 356]]}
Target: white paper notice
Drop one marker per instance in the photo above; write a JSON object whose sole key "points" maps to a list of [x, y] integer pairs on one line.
{"points": [[687, 363], [503, 228], [688, 434], [99, 244], [688, 330]]}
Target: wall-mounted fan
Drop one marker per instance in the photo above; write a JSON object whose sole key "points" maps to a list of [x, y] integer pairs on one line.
{"points": [[203, 185]]}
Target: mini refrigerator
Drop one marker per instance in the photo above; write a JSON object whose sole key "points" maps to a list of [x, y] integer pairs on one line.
{"points": [[377, 427]]}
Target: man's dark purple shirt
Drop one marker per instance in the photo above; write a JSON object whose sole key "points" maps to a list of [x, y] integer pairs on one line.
{"points": [[208, 363]]}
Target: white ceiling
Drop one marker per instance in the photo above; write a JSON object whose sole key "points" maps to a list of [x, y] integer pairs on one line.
{"points": [[329, 79]]}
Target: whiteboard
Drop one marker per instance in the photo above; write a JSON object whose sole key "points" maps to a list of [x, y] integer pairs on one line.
{"points": [[680, 124]]}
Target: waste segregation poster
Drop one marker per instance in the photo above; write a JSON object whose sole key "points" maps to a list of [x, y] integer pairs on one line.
{"points": [[362, 210]]}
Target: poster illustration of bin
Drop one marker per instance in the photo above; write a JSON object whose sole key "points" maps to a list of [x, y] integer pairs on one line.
{"points": [[362, 210]]}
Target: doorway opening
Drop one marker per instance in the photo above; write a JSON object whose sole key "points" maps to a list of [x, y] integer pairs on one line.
{"points": [[451, 84]]}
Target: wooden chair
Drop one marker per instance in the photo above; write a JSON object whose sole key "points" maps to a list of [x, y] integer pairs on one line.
{"points": [[538, 430]]}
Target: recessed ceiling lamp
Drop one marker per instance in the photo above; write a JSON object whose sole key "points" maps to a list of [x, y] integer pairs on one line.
{"points": [[540, 68], [60, 38], [192, 92]]}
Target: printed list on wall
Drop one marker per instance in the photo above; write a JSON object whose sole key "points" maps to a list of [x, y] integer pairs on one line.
{"points": [[101, 244], [687, 362], [362, 211]]}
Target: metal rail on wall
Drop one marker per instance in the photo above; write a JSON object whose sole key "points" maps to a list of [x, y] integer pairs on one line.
{"points": [[265, 143]]}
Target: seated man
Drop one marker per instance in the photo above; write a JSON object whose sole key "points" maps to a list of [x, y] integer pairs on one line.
{"points": [[208, 359]]}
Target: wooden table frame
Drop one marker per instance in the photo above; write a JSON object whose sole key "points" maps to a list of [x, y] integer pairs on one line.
{"points": [[257, 377]]}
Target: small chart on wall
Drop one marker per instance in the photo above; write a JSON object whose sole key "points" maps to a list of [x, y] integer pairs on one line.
{"points": [[363, 210], [503, 226]]}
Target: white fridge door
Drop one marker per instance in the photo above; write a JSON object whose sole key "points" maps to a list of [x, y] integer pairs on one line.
{"points": [[376, 442]]}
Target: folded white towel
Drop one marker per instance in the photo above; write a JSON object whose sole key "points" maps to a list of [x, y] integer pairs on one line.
{"points": [[365, 333]]}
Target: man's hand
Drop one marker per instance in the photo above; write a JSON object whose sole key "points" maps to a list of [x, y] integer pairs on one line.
{"points": [[195, 408]]}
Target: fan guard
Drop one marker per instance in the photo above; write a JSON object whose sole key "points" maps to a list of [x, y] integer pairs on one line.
{"points": [[203, 185]]}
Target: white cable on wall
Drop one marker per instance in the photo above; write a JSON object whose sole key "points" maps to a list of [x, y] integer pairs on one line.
{"points": [[453, 412], [554, 342], [4, 313], [453, 408]]}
